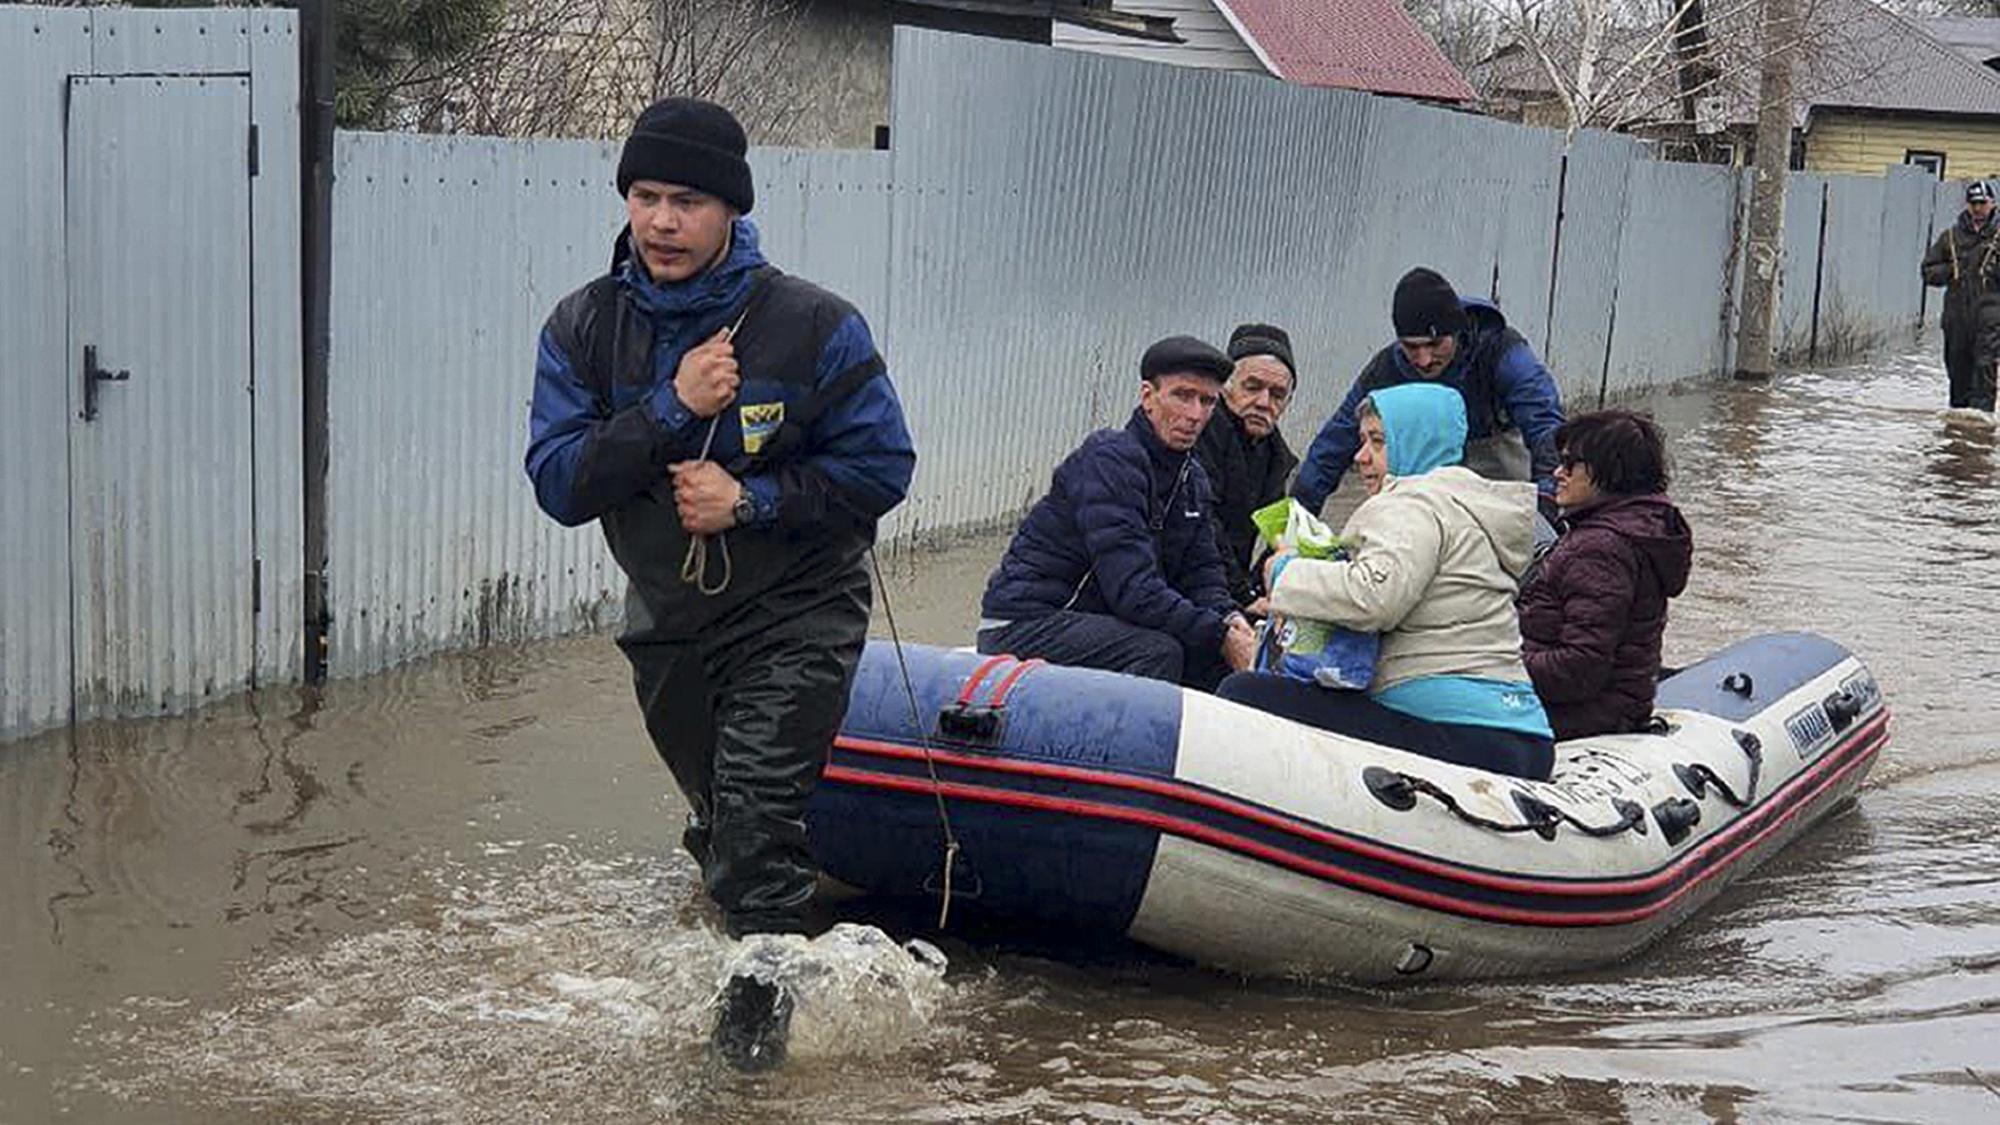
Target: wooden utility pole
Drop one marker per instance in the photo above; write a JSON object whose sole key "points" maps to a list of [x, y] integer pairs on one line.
{"points": [[1756, 346]]}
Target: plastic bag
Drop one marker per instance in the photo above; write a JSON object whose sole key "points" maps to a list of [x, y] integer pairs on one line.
{"points": [[1301, 648], [1286, 525]]}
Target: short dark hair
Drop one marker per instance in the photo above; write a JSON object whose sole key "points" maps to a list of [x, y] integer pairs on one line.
{"points": [[1624, 451]]}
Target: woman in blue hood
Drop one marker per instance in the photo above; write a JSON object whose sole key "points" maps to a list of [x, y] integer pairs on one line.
{"points": [[1436, 555]]}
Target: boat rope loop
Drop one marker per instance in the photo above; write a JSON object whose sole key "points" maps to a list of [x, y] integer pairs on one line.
{"points": [[1399, 791], [1699, 777], [1753, 749], [951, 847]]}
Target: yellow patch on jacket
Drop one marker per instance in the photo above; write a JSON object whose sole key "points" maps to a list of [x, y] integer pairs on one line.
{"points": [[760, 420]]}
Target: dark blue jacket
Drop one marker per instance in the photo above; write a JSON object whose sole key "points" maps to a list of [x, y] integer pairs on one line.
{"points": [[1504, 385], [606, 424], [1124, 530]]}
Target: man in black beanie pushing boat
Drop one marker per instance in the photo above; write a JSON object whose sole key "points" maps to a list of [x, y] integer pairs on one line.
{"points": [[1512, 408], [734, 432]]}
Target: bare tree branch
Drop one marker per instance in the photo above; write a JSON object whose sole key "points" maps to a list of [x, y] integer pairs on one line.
{"points": [[1621, 64], [586, 68]]}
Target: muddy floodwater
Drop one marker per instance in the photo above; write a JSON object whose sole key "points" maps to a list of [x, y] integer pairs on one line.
{"points": [[452, 893]]}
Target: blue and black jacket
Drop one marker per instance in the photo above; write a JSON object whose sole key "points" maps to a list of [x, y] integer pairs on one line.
{"points": [[1124, 530], [1504, 386], [815, 434]]}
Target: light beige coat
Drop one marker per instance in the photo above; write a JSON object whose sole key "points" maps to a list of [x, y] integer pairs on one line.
{"points": [[1436, 563]]}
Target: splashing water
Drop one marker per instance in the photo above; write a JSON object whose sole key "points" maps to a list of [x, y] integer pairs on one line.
{"points": [[577, 988], [854, 990]]}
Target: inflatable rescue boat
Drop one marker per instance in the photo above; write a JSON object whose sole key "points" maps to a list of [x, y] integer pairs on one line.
{"points": [[1097, 802]]}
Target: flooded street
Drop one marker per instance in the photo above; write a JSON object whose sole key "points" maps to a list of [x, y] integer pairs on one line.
{"points": [[453, 893]]}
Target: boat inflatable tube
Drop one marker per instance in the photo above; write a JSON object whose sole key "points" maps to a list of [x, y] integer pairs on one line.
{"points": [[1099, 803]]}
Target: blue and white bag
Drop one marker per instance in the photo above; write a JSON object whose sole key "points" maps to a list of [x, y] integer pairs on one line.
{"points": [[1301, 648]]}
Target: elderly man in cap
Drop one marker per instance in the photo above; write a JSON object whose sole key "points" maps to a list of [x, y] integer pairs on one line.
{"points": [[734, 432], [1247, 460], [1962, 261], [1511, 404], [1117, 567]]}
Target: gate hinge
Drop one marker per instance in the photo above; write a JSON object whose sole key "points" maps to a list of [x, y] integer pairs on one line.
{"points": [[253, 150]]}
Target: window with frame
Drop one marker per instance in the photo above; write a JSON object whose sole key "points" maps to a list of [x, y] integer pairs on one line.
{"points": [[1932, 162]]}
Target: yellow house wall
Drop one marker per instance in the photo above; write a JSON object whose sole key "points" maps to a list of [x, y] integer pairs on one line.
{"points": [[1850, 143]]}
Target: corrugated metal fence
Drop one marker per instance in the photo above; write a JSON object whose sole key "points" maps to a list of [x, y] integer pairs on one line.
{"points": [[1044, 215], [448, 253], [151, 554]]}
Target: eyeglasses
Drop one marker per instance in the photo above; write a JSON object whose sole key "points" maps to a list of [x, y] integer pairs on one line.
{"points": [[1567, 461]]}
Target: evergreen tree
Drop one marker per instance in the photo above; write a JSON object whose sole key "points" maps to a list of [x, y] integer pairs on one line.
{"points": [[382, 46]]}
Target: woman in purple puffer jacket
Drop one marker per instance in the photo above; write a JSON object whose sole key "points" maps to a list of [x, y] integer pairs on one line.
{"points": [[1592, 618]]}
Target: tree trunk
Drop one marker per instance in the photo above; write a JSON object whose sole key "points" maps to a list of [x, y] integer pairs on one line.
{"points": [[1756, 345], [1693, 72]]}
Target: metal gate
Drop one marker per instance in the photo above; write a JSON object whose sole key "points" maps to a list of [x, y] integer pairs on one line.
{"points": [[157, 227]]}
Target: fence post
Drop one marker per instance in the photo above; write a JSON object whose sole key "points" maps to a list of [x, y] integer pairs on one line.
{"points": [[1556, 249], [1930, 229], [1819, 274], [316, 264]]}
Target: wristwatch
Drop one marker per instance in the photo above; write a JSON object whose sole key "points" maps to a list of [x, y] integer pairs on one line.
{"points": [[745, 509]]}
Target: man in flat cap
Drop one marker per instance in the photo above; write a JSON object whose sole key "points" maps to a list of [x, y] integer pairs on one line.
{"points": [[1116, 567], [734, 432]]}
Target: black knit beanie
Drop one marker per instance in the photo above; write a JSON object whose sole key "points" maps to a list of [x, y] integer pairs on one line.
{"points": [[692, 143], [1426, 306], [1184, 355], [1263, 339]]}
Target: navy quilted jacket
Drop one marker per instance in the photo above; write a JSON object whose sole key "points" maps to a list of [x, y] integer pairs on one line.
{"points": [[1123, 530]]}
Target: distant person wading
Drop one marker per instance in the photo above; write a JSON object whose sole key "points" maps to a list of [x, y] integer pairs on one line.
{"points": [[1963, 262]]}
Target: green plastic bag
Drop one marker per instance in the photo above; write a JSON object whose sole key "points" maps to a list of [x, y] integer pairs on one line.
{"points": [[1313, 651], [1286, 525]]}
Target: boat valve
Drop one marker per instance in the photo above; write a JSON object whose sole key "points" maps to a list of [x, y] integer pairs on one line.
{"points": [[1842, 708], [1676, 817]]}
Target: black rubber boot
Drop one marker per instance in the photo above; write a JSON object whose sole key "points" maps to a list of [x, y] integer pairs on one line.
{"points": [[752, 1025]]}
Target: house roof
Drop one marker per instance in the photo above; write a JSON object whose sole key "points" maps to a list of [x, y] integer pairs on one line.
{"points": [[1890, 63], [1098, 15], [1368, 45], [1975, 37], [1859, 56]]}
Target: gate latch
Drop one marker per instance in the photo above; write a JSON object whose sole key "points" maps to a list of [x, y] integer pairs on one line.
{"points": [[93, 375]]}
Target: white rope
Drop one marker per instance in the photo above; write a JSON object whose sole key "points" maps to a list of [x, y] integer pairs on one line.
{"points": [[694, 568]]}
